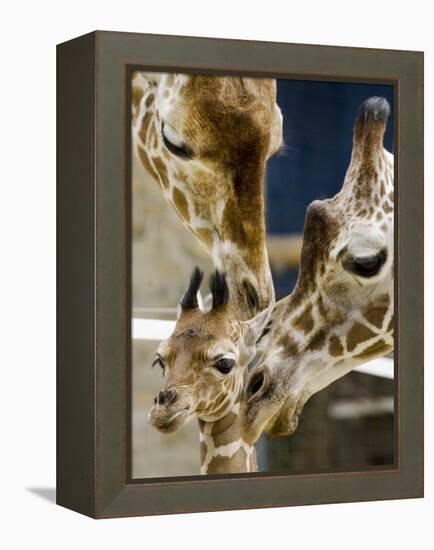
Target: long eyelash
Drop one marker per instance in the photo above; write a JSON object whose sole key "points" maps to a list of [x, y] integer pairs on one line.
{"points": [[158, 361]]}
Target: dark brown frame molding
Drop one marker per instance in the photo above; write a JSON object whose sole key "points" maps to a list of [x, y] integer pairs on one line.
{"points": [[94, 241]]}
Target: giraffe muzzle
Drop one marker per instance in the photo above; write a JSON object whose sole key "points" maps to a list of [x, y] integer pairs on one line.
{"points": [[170, 411]]}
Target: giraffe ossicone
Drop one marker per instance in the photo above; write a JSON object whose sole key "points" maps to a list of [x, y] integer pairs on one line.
{"points": [[205, 140]]}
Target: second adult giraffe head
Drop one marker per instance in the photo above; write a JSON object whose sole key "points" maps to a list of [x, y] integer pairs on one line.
{"points": [[340, 313], [206, 140]]}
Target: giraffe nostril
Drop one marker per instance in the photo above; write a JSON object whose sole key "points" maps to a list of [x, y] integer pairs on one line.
{"points": [[255, 384], [167, 397]]}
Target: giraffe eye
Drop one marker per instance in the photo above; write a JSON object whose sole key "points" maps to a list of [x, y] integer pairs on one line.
{"points": [[366, 266], [172, 141], [225, 365]]}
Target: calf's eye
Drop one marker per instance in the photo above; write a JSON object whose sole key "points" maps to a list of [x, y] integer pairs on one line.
{"points": [[158, 361], [225, 365]]}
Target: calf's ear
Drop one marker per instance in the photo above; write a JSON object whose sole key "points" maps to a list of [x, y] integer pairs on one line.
{"points": [[258, 327]]}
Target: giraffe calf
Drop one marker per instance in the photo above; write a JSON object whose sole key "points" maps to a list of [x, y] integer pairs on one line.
{"points": [[204, 379]]}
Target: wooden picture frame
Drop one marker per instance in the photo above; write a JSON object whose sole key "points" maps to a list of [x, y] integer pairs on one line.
{"points": [[94, 257]]}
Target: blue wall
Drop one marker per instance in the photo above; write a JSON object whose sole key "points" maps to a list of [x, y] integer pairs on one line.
{"points": [[318, 119]]}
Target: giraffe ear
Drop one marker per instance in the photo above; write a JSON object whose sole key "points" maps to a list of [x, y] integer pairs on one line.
{"points": [[258, 327]]}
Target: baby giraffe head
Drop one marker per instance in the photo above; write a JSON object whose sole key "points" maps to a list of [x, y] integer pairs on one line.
{"points": [[202, 360], [340, 313]]}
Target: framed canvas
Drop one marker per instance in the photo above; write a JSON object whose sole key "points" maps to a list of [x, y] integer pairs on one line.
{"points": [[293, 372]]}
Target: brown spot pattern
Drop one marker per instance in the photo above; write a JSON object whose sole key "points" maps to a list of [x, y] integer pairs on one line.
{"points": [[289, 345], [335, 347], [162, 171], [144, 127], [180, 203], [225, 464], [321, 307], [223, 424], [387, 208], [247, 236], [358, 333], [149, 100], [136, 96], [153, 138], [304, 321], [375, 314], [318, 341], [146, 163], [221, 430]]}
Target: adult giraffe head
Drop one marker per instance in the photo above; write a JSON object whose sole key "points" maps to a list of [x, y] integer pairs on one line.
{"points": [[340, 313], [205, 140]]}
